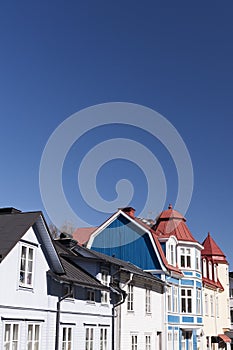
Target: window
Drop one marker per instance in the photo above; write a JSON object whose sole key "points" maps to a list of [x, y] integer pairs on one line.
{"points": [[26, 266], [197, 261], [11, 336], [89, 339], [91, 295], [198, 301], [204, 268], [176, 340], [211, 305], [186, 300], [103, 338], [34, 337], [169, 338], [169, 298], [104, 293], [171, 254], [217, 307], [175, 299], [215, 273], [210, 271], [134, 342], [68, 290], [231, 316], [147, 342], [206, 305], [185, 257], [130, 298], [148, 301]]}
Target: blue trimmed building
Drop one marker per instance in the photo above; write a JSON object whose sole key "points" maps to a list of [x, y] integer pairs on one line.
{"points": [[169, 251]]}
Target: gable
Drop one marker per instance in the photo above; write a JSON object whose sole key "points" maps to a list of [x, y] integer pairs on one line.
{"points": [[124, 240]]}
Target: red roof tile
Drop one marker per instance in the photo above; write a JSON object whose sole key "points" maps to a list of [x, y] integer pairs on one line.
{"points": [[82, 235], [171, 222], [225, 338], [212, 251]]}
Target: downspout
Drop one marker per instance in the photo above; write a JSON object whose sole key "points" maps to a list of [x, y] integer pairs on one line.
{"points": [[58, 315], [124, 295]]}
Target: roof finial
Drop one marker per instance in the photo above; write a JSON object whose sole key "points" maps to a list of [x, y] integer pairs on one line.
{"points": [[170, 206]]}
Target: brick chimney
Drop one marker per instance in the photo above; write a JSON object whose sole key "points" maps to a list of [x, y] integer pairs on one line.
{"points": [[129, 211]]}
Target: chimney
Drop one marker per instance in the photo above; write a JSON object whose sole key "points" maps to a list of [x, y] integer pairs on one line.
{"points": [[129, 210], [9, 210], [66, 240]]}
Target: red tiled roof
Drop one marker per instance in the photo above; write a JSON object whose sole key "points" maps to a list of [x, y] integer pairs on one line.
{"points": [[171, 222], [212, 251], [82, 235], [225, 338], [212, 284]]}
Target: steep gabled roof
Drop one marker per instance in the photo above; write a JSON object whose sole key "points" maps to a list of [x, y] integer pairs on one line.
{"points": [[212, 251], [171, 223], [129, 214], [14, 224]]}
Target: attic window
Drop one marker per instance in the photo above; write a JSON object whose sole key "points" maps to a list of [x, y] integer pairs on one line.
{"points": [[26, 266]]}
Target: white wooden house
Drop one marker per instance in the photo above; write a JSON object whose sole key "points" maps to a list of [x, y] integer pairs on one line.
{"points": [[46, 302]]}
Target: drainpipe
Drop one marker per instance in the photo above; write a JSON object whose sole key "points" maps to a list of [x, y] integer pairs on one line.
{"points": [[58, 315], [124, 295]]}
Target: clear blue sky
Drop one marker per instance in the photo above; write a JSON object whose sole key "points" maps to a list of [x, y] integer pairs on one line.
{"points": [[176, 57]]}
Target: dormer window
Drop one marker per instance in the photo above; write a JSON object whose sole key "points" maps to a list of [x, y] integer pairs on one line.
{"points": [[26, 266], [185, 257]]}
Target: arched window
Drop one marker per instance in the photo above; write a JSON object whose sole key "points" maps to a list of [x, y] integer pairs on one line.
{"points": [[204, 268], [210, 271], [215, 273]]}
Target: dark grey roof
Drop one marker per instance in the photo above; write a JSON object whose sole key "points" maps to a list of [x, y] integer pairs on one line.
{"points": [[12, 227], [127, 266], [14, 224], [74, 273]]}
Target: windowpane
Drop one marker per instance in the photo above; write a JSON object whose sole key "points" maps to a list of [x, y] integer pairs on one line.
{"points": [[26, 266], [33, 337], [130, 298], [11, 335]]}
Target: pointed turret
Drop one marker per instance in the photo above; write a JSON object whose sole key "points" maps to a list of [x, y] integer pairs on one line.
{"points": [[212, 251]]}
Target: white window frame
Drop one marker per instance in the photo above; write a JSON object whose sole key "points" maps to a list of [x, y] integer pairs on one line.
{"points": [[185, 258], [169, 298], [215, 273], [147, 342], [217, 306], [198, 301], [175, 299], [169, 340], [134, 342], [33, 341], [210, 268], [103, 338], [89, 338], [211, 305], [105, 282], [206, 305], [130, 298], [26, 267], [10, 341], [90, 296], [204, 268], [186, 297], [148, 301]]}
